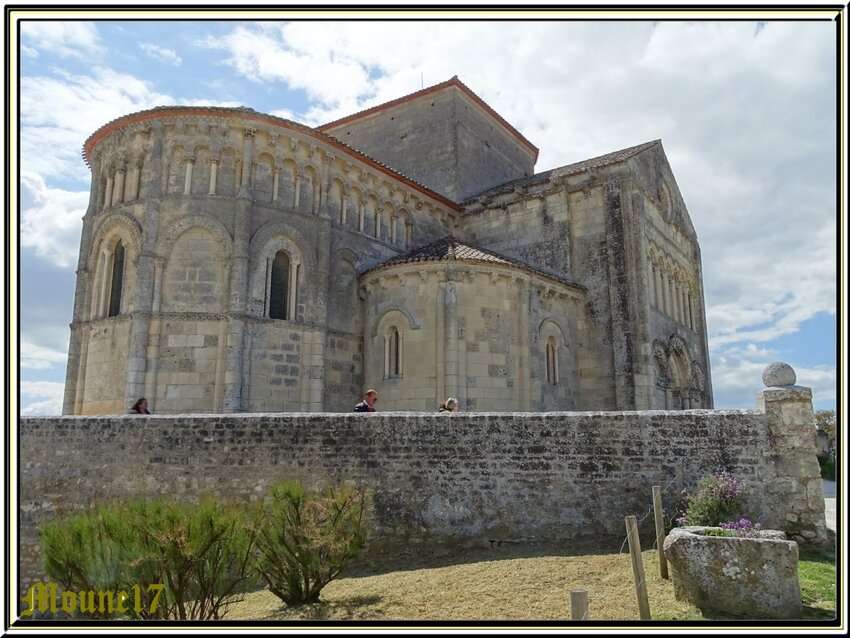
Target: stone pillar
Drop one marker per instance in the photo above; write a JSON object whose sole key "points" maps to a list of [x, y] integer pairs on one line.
{"points": [[450, 385], [213, 175], [343, 212], [187, 182], [798, 486], [361, 215], [118, 195], [247, 162], [321, 206], [276, 184], [107, 196], [233, 389], [652, 286], [659, 304], [379, 213], [298, 177]]}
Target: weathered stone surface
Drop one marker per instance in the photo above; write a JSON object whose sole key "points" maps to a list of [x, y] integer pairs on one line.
{"points": [[244, 235], [464, 478], [778, 374], [750, 577]]}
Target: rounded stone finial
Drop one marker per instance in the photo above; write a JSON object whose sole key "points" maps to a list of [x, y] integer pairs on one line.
{"points": [[778, 374]]}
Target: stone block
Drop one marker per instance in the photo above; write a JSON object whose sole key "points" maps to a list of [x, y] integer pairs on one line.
{"points": [[755, 578]]}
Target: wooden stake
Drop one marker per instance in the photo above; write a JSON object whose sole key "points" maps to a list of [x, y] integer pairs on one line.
{"points": [[659, 529], [637, 567], [578, 605]]}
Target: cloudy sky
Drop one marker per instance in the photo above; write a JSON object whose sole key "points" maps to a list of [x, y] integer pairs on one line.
{"points": [[746, 111]]}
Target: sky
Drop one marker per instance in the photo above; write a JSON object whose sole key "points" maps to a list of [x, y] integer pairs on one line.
{"points": [[746, 111]]}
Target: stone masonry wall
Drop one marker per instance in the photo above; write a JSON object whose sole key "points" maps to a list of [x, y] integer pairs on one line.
{"points": [[460, 479]]}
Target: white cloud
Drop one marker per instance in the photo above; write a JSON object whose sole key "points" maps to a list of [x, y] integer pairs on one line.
{"points": [[52, 118], [747, 118], [38, 357], [52, 226], [52, 393], [736, 376], [162, 54], [74, 39]]}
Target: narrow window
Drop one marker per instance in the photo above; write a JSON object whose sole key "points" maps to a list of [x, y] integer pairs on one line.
{"points": [[392, 354], [551, 361], [117, 280], [279, 289]]}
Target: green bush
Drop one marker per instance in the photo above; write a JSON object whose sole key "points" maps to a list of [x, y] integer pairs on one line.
{"points": [[717, 499], [827, 467], [304, 541], [98, 551], [200, 553]]}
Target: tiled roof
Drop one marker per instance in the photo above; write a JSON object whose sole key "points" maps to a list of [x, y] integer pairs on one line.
{"points": [[251, 114], [451, 249], [454, 81], [570, 169]]}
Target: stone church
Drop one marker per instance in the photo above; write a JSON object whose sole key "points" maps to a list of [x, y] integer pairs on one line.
{"points": [[233, 261]]}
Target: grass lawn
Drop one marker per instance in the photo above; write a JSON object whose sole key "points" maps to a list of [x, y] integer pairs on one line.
{"points": [[515, 582]]}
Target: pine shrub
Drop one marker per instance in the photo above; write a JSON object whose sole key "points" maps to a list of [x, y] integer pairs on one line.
{"points": [[304, 541], [200, 553]]}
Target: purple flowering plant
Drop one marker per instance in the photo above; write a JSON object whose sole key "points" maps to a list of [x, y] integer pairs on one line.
{"points": [[743, 527], [718, 498]]}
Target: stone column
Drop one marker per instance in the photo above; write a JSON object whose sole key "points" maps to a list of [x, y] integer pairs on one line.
{"points": [[343, 211], [797, 486], [107, 196], [118, 195], [523, 356], [247, 162], [187, 182], [143, 354], [233, 388], [324, 186], [690, 308], [276, 184], [450, 383], [652, 286], [298, 177], [659, 301], [379, 212], [361, 214], [213, 175]]}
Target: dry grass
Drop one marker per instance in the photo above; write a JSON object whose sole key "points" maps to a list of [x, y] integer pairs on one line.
{"points": [[513, 583]]}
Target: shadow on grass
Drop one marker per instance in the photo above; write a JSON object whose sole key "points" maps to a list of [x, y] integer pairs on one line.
{"points": [[436, 556], [346, 609]]}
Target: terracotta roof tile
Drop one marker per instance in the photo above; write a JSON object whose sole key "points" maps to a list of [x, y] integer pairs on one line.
{"points": [[452, 249], [250, 113]]}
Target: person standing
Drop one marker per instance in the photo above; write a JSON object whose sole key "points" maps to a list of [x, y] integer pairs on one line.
{"points": [[140, 406], [450, 405], [368, 402]]}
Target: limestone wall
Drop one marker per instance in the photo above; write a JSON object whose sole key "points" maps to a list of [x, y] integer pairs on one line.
{"points": [[473, 332], [463, 478], [444, 140]]}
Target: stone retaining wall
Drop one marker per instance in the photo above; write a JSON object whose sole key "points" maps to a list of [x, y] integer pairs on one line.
{"points": [[460, 479]]}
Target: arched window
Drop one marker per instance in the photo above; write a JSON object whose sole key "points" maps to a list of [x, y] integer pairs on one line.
{"points": [[117, 280], [279, 287], [551, 361], [392, 353]]}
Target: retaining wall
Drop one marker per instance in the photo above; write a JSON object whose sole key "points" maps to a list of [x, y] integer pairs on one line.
{"points": [[463, 478]]}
